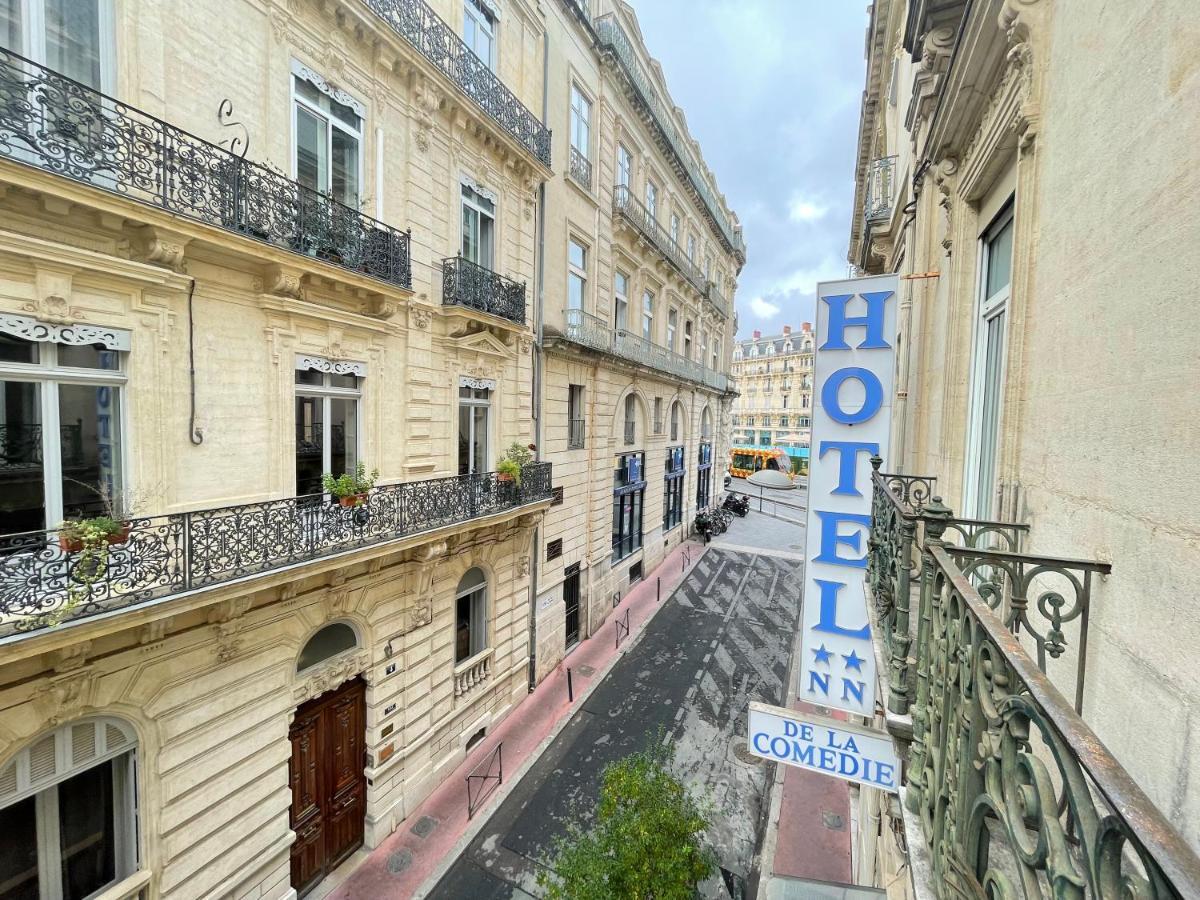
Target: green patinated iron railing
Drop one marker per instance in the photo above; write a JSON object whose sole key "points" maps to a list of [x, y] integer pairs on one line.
{"points": [[1016, 796]]}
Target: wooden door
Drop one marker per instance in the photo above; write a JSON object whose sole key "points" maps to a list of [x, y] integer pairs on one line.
{"points": [[328, 782]]}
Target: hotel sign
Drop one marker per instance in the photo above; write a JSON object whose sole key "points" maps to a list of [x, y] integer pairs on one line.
{"points": [[853, 387]]}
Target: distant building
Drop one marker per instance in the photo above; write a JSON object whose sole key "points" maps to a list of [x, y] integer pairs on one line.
{"points": [[773, 377]]}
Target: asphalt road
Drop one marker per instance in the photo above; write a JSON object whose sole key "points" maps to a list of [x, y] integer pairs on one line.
{"points": [[722, 640]]}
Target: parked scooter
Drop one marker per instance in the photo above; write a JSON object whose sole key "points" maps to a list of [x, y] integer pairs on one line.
{"points": [[737, 504]]}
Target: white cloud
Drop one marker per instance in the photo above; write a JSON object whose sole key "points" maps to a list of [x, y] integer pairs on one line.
{"points": [[801, 210], [764, 309]]}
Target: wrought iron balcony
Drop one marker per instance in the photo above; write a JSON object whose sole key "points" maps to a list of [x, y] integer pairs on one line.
{"points": [[42, 584], [628, 206], [1008, 784], [61, 126], [421, 27], [613, 39], [465, 283], [881, 190], [716, 297], [580, 168], [589, 331]]}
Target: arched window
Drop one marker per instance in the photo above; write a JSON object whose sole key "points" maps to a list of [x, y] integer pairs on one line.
{"points": [[331, 640], [470, 625], [675, 418], [68, 811], [631, 417]]}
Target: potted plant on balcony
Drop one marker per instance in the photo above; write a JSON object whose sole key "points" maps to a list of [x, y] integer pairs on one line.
{"points": [[512, 462], [351, 490], [76, 535]]}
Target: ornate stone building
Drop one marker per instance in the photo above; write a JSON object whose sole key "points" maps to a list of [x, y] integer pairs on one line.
{"points": [[1026, 166], [773, 379]]}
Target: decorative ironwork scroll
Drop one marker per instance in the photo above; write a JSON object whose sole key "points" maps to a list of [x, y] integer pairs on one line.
{"points": [[466, 284]]}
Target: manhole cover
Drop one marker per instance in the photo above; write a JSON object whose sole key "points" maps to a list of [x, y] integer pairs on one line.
{"points": [[585, 670], [399, 861], [424, 826], [796, 547], [833, 821], [742, 752]]}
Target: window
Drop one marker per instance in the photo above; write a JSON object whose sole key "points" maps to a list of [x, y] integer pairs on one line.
{"points": [[687, 340], [621, 301], [707, 267], [470, 616], [675, 421], [581, 122], [73, 37], [783, 421], [327, 397], [630, 419], [328, 125], [479, 31], [575, 418], [335, 638], [704, 474], [672, 325], [648, 316], [629, 491], [785, 401], [658, 415], [474, 414], [554, 549], [61, 422], [716, 355], [478, 226], [691, 248], [652, 199], [673, 488], [703, 345], [624, 167], [68, 811], [674, 228], [576, 274], [988, 368]]}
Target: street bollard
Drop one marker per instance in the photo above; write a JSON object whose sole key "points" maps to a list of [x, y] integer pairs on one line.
{"points": [[570, 688], [658, 590]]}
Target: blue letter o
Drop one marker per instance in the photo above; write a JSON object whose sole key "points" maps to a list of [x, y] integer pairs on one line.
{"points": [[871, 404]]}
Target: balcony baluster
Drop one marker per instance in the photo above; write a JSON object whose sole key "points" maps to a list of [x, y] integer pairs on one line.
{"points": [[465, 283]]}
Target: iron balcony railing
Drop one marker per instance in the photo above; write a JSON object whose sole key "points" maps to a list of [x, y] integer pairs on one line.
{"points": [[61, 126], [575, 434], [625, 204], [613, 38], [43, 582], [589, 331], [1008, 783], [881, 190], [580, 168], [716, 297], [439, 43], [465, 283]]}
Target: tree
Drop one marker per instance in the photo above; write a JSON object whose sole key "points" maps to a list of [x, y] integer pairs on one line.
{"points": [[645, 843]]}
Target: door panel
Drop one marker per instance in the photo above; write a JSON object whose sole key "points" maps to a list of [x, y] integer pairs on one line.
{"points": [[571, 602]]}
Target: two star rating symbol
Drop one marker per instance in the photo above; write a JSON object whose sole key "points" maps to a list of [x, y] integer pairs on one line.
{"points": [[853, 661]]}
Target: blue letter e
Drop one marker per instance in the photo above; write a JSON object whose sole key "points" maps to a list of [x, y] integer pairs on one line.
{"points": [[830, 538]]}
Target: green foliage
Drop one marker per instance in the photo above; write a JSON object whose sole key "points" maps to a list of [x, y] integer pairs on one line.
{"points": [[510, 468], [347, 485], [518, 453], [90, 532], [645, 844]]}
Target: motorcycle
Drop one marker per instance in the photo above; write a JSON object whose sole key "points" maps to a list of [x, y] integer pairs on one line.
{"points": [[737, 504]]}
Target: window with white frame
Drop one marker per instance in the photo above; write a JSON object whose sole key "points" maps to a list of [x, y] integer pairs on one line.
{"points": [[672, 326], [328, 126], [62, 394], [478, 226], [68, 812], [479, 30], [581, 122], [995, 285], [624, 167], [621, 301], [691, 248], [474, 423], [648, 315], [328, 393], [73, 37], [652, 199], [470, 615], [576, 274], [687, 339], [674, 228]]}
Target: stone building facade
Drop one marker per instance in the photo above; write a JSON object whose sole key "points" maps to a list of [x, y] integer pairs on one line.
{"points": [[1026, 166], [773, 379], [234, 259]]}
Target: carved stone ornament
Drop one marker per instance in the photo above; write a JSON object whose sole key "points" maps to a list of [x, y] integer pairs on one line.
{"points": [[329, 675], [420, 614], [468, 181], [479, 384], [66, 697], [522, 566], [420, 318], [283, 280], [76, 334], [163, 246], [316, 80], [307, 362]]}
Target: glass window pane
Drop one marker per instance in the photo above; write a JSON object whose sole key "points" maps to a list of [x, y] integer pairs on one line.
{"points": [[308, 376], [576, 254], [308, 91], [486, 227], [311, 163], [92, 356], [343, 381], [479, 451], [462, 629], [15, 349], [343, 435], [18, 851], [990, 418], [22, 500], [310, 445], [344, 187], [10, 36], [999, 261], [470, 234], [73, 39], [329, 641], [574, 291], [86, 838], [478, 622], [90, 435]]}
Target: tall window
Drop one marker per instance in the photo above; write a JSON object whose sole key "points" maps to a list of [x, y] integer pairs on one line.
{"points": [[703, 345], [479, 31], [687, 339], [648, 316], [652, 199], [988, 370], [474, 421], [61, 422], [74, 37], [672, 325], [716, 355], [327, 398], [658, 415], [691, 247], [68, 812], [674, 228], [470, 615], [328, 140], [581, 122], [478, 227], [624, 167], [576, 274], [631, 418], [676, 418], [673, 484], [575, 417], [629, 491], [704, 475], [621, 301]]}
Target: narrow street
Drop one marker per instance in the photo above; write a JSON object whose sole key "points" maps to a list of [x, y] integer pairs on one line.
{"points": [[722, 640]]}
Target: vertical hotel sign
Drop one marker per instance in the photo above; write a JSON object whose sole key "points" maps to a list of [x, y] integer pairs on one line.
{"points": [[853, 388]]}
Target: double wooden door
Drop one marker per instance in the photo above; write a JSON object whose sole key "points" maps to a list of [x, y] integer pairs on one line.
{"points": [[328, 782]]}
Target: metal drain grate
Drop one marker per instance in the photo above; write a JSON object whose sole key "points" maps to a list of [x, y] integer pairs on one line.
{"points": [[424, 826]]}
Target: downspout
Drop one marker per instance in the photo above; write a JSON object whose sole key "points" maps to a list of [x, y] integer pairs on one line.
{"points": [[539, 307]]}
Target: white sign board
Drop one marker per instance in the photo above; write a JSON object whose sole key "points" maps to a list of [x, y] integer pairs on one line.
{"points": [[853, 388], [823, 745]]}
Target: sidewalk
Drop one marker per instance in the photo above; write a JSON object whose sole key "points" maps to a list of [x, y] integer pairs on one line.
{"points": [[407, 864]]}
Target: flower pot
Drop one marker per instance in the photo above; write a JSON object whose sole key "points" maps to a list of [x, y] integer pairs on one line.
{"points": [[75, 545], [504, 476], [350, 500]]}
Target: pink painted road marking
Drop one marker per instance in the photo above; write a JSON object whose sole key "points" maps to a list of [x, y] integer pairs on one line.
{"points": [[522, 733]]}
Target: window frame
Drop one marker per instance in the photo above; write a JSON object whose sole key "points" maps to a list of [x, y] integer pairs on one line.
{"points": [[33, 39], [474, 12], [620, 300], [327, 393], [648, 315], [478, 595], [580, 118], [474, 402], [624, 167], [481, 212], [652, 199], [331, 121], [629, 496], [576, 272]]}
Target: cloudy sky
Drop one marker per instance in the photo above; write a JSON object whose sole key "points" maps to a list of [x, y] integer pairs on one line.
{"points": [[771, 89]]}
